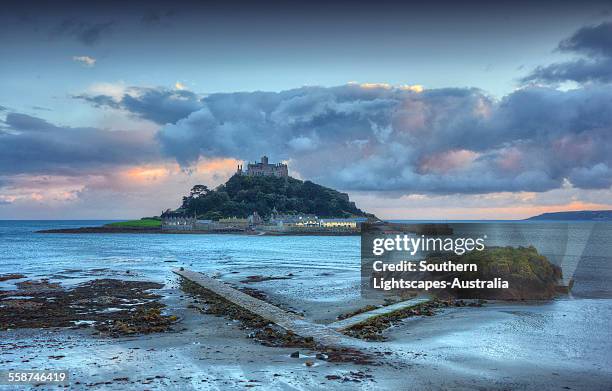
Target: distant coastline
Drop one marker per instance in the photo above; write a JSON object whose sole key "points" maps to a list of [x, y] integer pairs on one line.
{"points": [[582, 215]]}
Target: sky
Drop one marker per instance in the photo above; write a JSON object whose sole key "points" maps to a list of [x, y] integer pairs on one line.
{"points": [[444, 110]]}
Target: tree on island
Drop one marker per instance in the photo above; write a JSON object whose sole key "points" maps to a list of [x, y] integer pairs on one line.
{"points": [[241, 195]]}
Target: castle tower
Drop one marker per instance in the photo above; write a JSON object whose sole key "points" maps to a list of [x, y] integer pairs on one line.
{"points": [[264, 168]]}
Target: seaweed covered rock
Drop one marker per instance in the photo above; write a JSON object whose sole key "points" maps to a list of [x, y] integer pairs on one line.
{"points": [[115, 305], [530, 275], [142, 321]]}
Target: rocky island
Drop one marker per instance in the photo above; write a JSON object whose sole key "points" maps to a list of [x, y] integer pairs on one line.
{"points": [[530, 275], [263, 199]]}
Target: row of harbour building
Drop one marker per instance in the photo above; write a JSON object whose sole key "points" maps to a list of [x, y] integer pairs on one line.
{"points": [[277, 223]]}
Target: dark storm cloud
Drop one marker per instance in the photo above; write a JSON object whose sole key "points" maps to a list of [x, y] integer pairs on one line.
{"points": [[396, 139], [592, 42], [87, 33], [35, 146], [155, 104], [580, 71], [25, 123]]}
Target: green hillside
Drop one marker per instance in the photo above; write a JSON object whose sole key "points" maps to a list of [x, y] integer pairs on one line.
{"points": [[241, 195], [142, 223]]}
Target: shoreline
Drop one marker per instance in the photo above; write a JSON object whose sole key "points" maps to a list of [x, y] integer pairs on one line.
{"points": [[429, 229], [211, 350], [126, 230]]}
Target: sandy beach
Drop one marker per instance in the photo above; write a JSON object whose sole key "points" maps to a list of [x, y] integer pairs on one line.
{"points": [[491, 347]]}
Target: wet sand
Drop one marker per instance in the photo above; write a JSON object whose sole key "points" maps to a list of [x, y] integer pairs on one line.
{"points": [[499, 346], [203, 352]]}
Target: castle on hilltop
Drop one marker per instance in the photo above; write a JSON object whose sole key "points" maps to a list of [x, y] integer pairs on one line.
{"points": [[264, 168]]}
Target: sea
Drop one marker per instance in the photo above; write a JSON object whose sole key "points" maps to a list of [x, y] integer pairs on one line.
{"points": [[583, 249]]}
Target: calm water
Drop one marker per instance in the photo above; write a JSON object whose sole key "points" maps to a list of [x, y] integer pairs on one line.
{"points": [[73, 258], [583, 249]]}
